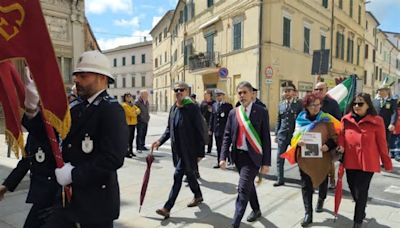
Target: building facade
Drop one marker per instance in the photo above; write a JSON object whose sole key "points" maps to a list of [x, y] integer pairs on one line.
{"points": [[131, 65]]}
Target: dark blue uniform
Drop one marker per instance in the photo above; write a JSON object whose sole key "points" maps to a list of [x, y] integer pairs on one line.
{"points": [[285, 125], [247, 162], [96, 147], [387, 109], [40, 162], [206, 111], [218, 120]]}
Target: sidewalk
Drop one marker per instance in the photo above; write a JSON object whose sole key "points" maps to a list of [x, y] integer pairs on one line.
{"points": [[280, 207]]}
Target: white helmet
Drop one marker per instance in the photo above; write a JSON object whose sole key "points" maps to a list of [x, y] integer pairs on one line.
{"points": [[95, 62]]}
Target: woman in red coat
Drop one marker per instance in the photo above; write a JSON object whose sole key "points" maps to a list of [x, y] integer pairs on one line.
{"points": [[364, 145]]}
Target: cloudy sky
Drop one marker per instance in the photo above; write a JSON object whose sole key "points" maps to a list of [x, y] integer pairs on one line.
{"points": [[120, 22]]}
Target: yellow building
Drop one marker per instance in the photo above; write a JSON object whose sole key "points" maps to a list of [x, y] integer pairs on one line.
{"points": [[371, 70]]}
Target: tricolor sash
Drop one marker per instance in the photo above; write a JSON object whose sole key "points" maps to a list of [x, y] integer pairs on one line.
{"points": [[250, 132]]}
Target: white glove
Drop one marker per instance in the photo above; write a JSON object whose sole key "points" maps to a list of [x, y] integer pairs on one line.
{"points": [[31, 93], [64, 174]]}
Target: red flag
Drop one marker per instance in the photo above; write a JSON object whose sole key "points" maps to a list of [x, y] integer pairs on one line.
{"points": [[12, 95], [23, 34]]}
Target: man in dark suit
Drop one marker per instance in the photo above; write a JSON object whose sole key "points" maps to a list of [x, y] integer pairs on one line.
{"points": [[188, 134], [386, 107], [218, 120], [247, 129], [93, 150], [288, 110], [206, 111]]}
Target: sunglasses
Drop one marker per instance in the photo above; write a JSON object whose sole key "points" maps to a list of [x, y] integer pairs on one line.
{"points": [[180, 90], [359, 104], [318, 89]]}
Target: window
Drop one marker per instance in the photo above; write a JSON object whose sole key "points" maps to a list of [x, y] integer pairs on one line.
{"points": [[115, 62], [350, 50], [143, 81], [286, 32], [398, 64], [133, 82], [325, 3], [165, 32], [188, 51], [155, 62], [185, 13], [359, 15], [340, 4], [175, 55], [123, 61], [351, 8], [123, 82], [366, 51], [237, 34], [323, 42], [160, 60], [373, 55], [210, 3], [376, 73], [210, 43], [159, 37], [365, 77], [339, 46], [380, 74], [143, 58], [306, 48], [180, 17], [133, 60], [165, 57], [358, 54], [366, 25]]}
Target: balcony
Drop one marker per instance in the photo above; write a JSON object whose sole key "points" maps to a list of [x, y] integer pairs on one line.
{"points": [[204, 62]]}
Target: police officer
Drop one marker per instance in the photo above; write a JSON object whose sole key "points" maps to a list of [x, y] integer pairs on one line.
{"points": [[386, 107], [93, 150], [206, 111], [288, 110], [219, 116], [39, 161]]}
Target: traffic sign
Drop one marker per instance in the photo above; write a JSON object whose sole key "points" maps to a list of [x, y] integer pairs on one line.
{"points": [[223, 72], [269, 72], [269, 81]]}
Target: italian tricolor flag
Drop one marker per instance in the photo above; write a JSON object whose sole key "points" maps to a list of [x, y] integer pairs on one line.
{"points": [[344, 92]]}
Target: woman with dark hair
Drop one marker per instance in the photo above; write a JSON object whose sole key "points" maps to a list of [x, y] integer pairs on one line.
{"points": [[131, 113], [314, 163], [363, 142]]}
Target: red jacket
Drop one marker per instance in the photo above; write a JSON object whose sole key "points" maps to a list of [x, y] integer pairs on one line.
{"points": [[364, 143]]}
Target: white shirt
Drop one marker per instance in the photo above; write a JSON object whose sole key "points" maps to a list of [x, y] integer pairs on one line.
{"points": [[244, 144], [93, 97]]}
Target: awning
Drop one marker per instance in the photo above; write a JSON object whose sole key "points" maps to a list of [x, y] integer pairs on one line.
{"points": [[210, 22]]}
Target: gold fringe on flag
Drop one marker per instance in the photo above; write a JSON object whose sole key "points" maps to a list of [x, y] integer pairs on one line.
{"points": [[17, 146], [62, 126]]}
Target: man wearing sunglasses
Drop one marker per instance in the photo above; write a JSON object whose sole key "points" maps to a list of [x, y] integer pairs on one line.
{"points": [[188, 133]]}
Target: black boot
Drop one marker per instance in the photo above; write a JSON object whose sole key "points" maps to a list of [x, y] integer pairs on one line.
{"points": [[307, 219], [320, 205], [357, 225]]}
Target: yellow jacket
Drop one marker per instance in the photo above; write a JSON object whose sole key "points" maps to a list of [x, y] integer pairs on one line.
{"points": [[131, 113]]}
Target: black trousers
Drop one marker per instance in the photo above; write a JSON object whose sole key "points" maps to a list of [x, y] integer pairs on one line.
{"points": [[359, 181], [307, 190], [280, 162], [210, 143], [176, 187], [131, 129], [60, 219], [38, 216], [218, 141], [246, 189], [141, 135]]}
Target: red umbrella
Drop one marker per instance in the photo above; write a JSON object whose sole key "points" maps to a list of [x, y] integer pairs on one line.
{"points": [[339, 187], [146, 177]]}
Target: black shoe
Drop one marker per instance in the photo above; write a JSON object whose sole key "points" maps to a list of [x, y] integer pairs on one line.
{"points": [[254, 215], [307, 220], [216, 166], [128, 156], [145, 148], [278, 183], [357, 225], [320, 205], [234, 226]]}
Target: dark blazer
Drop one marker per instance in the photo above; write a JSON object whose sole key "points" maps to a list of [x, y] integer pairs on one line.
{"points": [[286, 121], [329, 105], [219, 117], [187, 139], [40, 162], [206, 110], [94, 179], [258, 101], [387, 110], [260, 119]]}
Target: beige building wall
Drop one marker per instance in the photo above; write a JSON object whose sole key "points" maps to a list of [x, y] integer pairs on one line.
{"points": [[370, 74]]}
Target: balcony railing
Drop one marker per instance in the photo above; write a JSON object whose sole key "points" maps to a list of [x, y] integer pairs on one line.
{"points": [[203, 60]]}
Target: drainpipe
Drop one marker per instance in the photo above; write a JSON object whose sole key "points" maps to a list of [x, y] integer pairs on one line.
{"points": [[260, 31]]}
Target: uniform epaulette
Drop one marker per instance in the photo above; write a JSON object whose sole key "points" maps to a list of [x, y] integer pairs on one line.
{"points": [[110, 99], [75, 102]]}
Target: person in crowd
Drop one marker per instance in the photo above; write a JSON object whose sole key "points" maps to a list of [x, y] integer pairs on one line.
{"points": [[254, 99], [288, 110], [363, 143], [143, 120], [206, 111], [188, 134], [395, 138], [93, 150], [131, 113], [331, 106], [218, 120], [386, 107], [251, 150], [314, 169], [39, 161]]}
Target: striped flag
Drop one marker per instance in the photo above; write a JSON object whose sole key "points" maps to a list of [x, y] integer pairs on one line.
{"points": [[344, 92]]}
